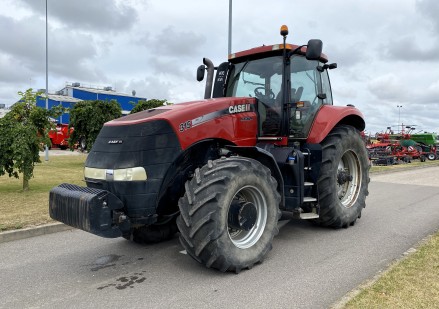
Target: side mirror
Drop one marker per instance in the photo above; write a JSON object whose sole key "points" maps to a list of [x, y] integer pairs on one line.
{"points": [[327, 66], [200, 72], [314, 49]]}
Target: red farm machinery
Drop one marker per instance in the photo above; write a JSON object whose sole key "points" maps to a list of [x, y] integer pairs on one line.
{"points": [[59, 136], [390, 148], [265, 141]]}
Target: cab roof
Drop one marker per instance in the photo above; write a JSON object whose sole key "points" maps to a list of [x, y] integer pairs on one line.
{"points": [[266, 50]]}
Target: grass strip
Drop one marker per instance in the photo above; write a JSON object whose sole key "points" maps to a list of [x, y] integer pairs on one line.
{"points": [[402, 166], [410, 283], [20, 209]]}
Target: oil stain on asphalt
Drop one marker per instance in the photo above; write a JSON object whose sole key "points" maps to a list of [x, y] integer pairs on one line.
{"points": [[126, 281], [123, 282]]}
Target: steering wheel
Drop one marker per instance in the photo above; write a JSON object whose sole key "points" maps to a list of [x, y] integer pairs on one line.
{"points": [[261, 95]]}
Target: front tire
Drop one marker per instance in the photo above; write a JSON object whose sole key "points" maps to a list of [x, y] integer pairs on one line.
{"points": [[229, 214], [344, 178]]}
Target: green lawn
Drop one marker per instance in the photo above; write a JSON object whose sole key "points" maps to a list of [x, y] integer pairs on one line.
{"points": [[20, 209]]}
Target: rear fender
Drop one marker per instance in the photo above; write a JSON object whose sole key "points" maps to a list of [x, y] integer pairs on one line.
{"points": [[329, 116]]}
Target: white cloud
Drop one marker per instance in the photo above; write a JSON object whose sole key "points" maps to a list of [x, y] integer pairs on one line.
{"points": [[385, 50], [387, 87], [97, 15]]}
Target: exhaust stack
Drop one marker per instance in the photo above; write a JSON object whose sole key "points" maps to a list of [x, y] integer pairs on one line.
{"points": [[209, 80]]}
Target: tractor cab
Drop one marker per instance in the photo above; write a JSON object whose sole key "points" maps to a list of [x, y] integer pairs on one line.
{"points": [[290, 84]]}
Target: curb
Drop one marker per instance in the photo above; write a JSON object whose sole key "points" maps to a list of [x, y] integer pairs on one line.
{"points": [[33, 231]]}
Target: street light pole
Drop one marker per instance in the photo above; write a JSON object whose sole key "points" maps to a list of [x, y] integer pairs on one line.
{"points": [[46, 150], [399, 114], [230, 28], [47, 63]]}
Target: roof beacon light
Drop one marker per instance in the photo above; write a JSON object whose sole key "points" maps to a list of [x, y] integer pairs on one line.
{"points": [[283, 30]]}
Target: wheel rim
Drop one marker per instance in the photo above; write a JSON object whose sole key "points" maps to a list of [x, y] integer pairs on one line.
{"points": [[431, 156], [348, 179], [245, 239]]}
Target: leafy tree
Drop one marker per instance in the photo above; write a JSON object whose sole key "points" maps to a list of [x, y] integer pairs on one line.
{"points": [[23, 131], [88, 117], [144, 105]]}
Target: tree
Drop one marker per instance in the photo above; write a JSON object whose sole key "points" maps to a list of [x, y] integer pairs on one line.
{"points": [[23, 131], [144, 105], [88, 117]]}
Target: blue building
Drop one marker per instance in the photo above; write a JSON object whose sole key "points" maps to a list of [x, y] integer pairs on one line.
{"points": [[55, 100], [74, 92]]}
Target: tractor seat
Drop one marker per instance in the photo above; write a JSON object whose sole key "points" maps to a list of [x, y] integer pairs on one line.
{"points": [[295, 95]]}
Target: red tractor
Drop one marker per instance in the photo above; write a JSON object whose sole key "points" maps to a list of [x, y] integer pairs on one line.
{"points": [[221, 171]]}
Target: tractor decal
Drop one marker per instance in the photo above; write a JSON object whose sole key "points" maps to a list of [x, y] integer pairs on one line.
{"points": [[241, 108], [233, 109]]}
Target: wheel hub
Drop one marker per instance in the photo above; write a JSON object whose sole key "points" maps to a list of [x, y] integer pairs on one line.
{"points": [[242, 215], [343, 177]]}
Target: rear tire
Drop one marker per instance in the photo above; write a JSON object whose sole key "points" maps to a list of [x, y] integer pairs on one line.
{"points": [[344, 178], [207, 231]]}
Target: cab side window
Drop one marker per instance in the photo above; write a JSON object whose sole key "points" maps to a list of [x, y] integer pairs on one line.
{"points": [[326, 88], [304, 85]]}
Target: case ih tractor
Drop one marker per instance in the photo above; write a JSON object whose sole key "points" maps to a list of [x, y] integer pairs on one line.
{"points": [[266, 140]]}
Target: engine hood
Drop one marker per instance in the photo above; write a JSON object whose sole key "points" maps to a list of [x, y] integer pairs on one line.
{"points": [[181, 111], [232, 119]]}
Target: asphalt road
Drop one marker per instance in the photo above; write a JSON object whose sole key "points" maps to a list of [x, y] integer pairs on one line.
{"points": [[309, 267]]}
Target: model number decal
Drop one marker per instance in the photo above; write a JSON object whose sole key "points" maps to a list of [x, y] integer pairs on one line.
{"points": [[185, 125], [233, 109], [241, 108]]}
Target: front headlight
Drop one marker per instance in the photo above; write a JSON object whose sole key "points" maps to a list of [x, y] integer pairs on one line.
{"points": [[130, 174], [124, 174]]}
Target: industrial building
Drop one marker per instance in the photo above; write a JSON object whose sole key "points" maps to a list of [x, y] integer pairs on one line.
{"points": [[75, 92]]}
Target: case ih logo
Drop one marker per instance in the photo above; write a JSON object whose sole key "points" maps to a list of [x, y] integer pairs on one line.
{"points": [[115, 141], [241, 108]]}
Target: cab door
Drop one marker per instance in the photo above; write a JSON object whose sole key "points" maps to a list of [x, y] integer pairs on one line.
{"points": [[306, 95]]}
